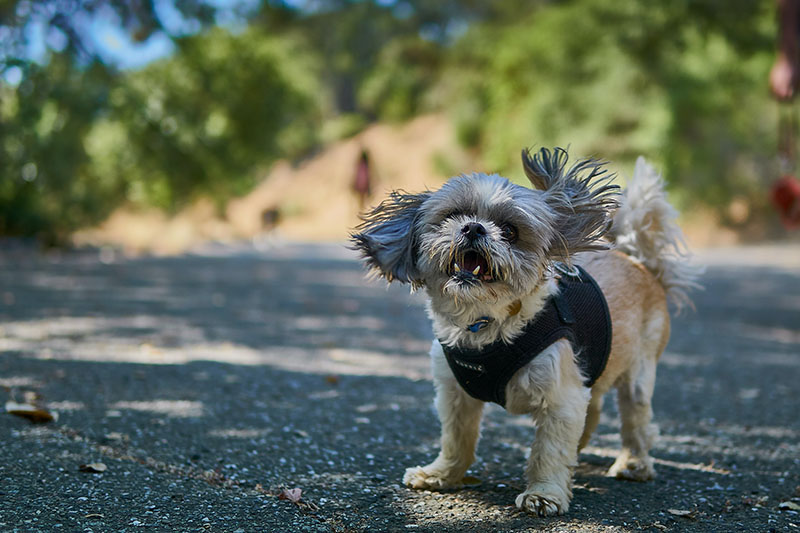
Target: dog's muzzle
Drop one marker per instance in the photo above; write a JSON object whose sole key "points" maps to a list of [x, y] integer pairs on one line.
{"points": [[472, 266]]}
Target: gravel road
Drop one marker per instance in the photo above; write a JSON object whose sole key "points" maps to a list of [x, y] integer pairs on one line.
{"points": [[209, 383]]}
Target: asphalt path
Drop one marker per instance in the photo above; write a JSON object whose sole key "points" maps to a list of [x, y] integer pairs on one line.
{"points": [[212, 385]]}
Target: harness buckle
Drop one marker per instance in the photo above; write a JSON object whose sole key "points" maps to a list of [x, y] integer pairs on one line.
{"points": [[480, 324], [569, 271]]}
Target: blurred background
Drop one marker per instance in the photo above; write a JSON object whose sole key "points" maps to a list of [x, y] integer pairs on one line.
{"points": [[155, 125]]}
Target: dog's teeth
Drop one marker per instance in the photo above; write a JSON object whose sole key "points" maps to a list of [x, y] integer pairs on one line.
{"points": [[456, 267], [477, 270]]}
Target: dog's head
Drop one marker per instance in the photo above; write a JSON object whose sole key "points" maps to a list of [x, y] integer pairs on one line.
{"points": [[481, 236]]}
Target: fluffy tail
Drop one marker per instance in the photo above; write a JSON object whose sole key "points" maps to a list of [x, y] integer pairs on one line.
{"points": [[645, 228]]}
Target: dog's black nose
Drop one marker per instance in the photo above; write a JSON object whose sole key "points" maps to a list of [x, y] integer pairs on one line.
{"points": [[473, 230]]}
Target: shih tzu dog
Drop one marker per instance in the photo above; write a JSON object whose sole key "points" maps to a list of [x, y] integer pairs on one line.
{"points": [[542, 300]]}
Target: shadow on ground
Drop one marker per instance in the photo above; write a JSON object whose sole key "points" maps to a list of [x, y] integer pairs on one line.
{"points": [[208, 383]]}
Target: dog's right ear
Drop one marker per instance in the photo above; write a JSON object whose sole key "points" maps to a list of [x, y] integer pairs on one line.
{"points": [[581, 196], [387, 238]]}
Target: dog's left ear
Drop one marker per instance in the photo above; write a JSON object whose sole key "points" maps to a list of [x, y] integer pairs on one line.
{"points": [[387, 237], [582, 197]]}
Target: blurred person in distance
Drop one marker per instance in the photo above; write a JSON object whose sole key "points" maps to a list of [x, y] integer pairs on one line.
{"points": [[362, 186], [784, 78]]}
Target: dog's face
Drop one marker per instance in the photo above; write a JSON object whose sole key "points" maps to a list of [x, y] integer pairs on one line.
{"points": [[482, 237]]}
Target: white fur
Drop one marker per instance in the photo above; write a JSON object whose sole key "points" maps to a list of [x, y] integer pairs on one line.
{"points": [[450, 317], [460, 417]]}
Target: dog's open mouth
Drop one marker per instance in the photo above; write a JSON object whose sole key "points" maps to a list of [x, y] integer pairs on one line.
{"points": [[472, 266]]}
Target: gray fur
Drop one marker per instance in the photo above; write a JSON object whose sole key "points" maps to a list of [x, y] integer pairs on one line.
{"points": [[582, 196], [386, 237], [491, 201], [418, 238]]}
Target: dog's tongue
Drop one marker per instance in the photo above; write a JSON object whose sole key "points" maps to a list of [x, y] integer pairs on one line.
{"points": [[473, 260]]}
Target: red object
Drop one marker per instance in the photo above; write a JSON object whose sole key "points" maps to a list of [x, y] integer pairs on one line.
{"points": [[786, 198], [361, 184]]}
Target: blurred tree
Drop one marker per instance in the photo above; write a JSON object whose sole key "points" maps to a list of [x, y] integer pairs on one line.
{"points": [[349, 36], [198, 123], [385, 45], [49, 184], [77, 136], [682, 82], [45, 189], [396, 84]]}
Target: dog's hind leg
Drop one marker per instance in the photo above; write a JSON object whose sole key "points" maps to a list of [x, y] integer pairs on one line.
{"points": [[634, 393], [592, 419], [460, 416]]}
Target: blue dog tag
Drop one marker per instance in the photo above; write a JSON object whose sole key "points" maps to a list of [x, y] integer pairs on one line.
{"points": [[480, 324]]}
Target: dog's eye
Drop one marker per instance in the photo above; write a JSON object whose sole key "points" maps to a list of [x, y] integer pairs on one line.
{"points": [[509, 232]]}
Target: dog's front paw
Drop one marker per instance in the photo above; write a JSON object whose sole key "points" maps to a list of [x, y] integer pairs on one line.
{"points": [[542, 501], [427, 477], [632, 468]]}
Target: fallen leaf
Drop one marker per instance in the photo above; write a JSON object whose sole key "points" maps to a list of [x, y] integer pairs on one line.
{"points": [[37, 415], [293, 495], [788, 506], [682, 513], [470, 481], [332, 379], [93, 468]]}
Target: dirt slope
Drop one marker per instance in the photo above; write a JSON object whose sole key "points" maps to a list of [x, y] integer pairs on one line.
{"points": [[313, 199]]}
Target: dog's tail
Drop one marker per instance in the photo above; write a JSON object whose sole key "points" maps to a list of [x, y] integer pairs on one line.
{"points": [[645, 228]]}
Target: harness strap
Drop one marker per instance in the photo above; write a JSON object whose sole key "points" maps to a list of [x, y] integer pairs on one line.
{"points": [[578, 313]]}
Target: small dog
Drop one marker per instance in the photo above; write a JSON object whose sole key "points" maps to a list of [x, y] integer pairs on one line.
{"points": [[541, 300]]}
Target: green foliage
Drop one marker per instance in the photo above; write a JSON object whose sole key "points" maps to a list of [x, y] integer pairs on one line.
{"points": [[197, 124], [341, 126], [394, 88], [683, 83], [44, 122], [721, 141], [75, 143]]}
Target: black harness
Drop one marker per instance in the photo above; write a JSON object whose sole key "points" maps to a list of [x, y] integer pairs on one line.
{"points": [[578, 313]]}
